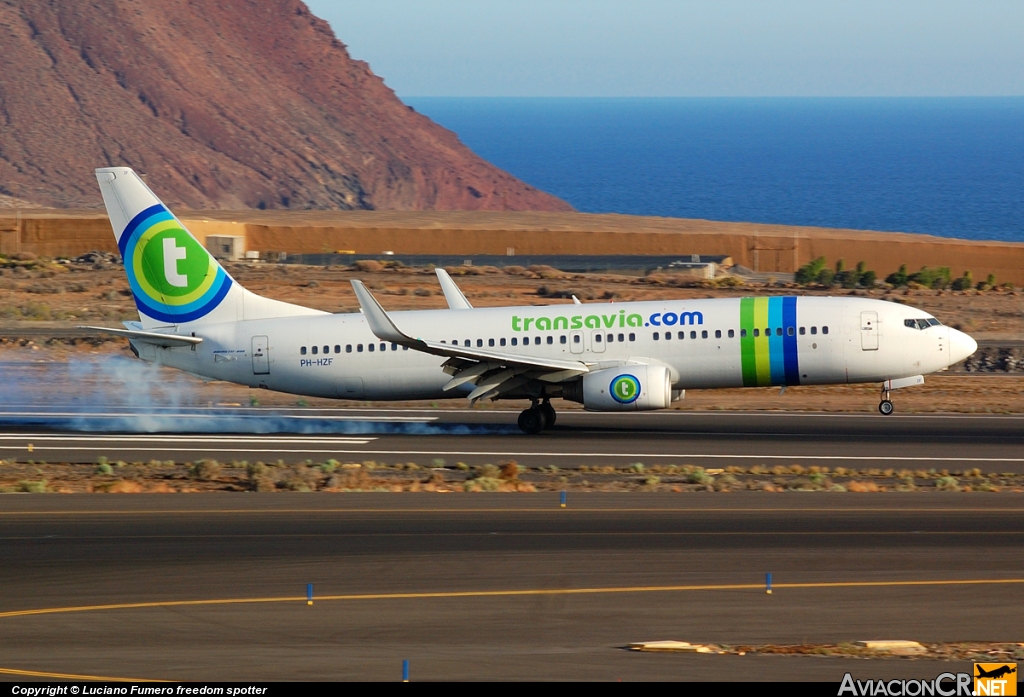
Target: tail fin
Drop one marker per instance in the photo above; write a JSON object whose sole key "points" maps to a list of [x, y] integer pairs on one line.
{"points": [[173, 278]]}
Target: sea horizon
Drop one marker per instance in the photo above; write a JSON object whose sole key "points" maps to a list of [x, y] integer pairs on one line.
{"points": [[945, 166]]}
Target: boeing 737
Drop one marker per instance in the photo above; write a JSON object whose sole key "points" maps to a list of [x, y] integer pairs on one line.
{"points": [[631, 356]]}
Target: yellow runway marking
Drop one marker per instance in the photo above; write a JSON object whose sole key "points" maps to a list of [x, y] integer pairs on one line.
{"points": [[70, 676], [506, 593]]}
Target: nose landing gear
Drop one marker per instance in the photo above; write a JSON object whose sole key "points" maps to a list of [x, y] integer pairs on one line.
{"points": [[539, 417]]}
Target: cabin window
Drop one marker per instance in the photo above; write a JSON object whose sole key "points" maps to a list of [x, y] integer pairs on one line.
{"points": [[732, 333], [515, 341], [394, 347], [757, 332], [668, 336], [501, 341], [479, 343], [526, 341], [597, 338], [490, 342], [536, 341], [359, 348], [693, 335], [681, 335], [718, 333], [622, 337], [632, 336], [656, 336], [576, 338], [562, 339], [803, 330], [383, 347], [611, 338], [790, 331], [814, 330], [302, 351], [405, 348], [768, 331], [348, 348], [371, 348], [337, 348], [704, 334], [743, 333], [824, 330], [327, 349], [315, 350], [551, 339]]}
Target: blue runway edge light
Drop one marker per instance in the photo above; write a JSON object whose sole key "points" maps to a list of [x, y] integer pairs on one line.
{"points": [[405, 670], [768, 582], [309, 594]]}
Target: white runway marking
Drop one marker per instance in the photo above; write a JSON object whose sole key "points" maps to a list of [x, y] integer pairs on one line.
{"points": [[298, 440]]}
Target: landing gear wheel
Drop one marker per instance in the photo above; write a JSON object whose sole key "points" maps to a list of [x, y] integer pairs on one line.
{"points": [[886, 407], [531, 421], [548, 412]]}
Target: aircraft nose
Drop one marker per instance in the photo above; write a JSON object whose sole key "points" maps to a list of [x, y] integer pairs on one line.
{"points": [[960, 346]]}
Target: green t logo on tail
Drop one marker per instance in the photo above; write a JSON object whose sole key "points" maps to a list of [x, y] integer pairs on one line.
{"points": [[173, 278]]}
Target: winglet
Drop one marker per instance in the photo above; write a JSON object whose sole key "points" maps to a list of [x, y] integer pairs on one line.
{"points": [[453, 295], [380, 324]]}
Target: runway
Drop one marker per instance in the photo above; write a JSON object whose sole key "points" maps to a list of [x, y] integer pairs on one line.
{"points": [[497, 586], [711, 439]]}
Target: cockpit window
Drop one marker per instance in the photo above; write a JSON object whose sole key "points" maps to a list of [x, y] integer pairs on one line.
{"points": [[921, 323]]}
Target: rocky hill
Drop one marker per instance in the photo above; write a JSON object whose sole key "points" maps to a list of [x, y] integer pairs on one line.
{"points": [[231, 104]]}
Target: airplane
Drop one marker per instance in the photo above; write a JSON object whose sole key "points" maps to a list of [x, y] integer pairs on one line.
{"points": [[995, 672], [615, 357]]}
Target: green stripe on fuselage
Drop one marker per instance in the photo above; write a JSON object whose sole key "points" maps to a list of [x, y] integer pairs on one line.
{"points": [[755, 351], [747, 342]]}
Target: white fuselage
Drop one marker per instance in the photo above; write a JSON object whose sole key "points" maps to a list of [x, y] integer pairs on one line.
{"points": [[711, 344]]}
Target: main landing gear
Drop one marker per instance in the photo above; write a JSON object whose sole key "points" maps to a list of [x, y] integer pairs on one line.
{"points": [[539, 417], [885, 406]]}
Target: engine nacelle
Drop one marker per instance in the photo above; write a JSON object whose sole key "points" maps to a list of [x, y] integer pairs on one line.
{"points": [[626, 388]]}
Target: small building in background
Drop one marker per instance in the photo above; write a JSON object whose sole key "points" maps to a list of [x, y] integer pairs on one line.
{"points": [[226, 247]]}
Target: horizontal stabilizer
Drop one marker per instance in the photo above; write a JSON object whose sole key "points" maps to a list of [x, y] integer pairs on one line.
{"points": [[155, 338]]}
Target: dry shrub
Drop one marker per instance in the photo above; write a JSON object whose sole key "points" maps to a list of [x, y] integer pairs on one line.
{"points": [[862, 487], [205, 470], [510, 471], [368, 266], [302, 478]]}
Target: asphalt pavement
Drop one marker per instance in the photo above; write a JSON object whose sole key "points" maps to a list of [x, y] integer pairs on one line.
{"points": [[497, 586]]}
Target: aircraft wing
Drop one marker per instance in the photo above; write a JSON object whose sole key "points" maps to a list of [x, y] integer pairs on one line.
{"points": [[155, 338], [492, 372]]}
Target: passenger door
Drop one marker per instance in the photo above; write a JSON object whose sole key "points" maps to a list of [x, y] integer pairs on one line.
{"points": [[576, 342], [869, 331], [260, 356], [597, 341]]}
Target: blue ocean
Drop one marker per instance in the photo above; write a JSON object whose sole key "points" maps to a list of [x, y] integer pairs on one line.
{"points": [[945, 166]]}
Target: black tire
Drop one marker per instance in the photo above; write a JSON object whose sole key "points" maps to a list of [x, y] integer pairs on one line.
{"points": [[548, 412], [886, 407], [531, 421]]}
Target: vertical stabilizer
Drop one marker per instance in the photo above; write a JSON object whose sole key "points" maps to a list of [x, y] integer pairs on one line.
{"points": [[173, 278]]}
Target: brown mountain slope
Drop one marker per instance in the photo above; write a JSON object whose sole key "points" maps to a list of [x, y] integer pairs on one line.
{"points": [[238, 103]]}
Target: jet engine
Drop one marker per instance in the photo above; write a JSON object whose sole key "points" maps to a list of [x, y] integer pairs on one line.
{"points": [[626, 388]]}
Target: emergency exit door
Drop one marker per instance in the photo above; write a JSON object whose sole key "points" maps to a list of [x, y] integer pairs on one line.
{"points": [[260, 355], [869, 331]]}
